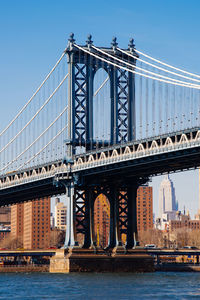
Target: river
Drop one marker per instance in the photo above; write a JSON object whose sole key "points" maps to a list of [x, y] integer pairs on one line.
{"points": [[158, 285]]}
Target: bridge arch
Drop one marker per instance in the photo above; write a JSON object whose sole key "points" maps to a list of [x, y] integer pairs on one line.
{"points": [[197, 137], [183, 139], [91, 158], [101, 221], [101, 105], [168, 142]]}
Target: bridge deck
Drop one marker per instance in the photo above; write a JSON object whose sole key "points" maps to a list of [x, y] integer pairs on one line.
{"points": [[176, 152]]}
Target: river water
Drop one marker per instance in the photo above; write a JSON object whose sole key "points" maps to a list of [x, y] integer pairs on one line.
{"points": [[158, 285]]}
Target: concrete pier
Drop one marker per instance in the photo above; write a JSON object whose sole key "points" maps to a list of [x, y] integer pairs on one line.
{"points": [[81, 260]]}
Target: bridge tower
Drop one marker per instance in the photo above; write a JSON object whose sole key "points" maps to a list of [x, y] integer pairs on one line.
{"points": [[82, 70], [121, 192]]}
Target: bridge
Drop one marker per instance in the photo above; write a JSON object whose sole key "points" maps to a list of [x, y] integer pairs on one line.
{"points": [[103, 121]]}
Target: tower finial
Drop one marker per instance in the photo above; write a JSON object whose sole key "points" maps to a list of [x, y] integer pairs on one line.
{"points": [[89, 41], [131, 45], [71, 38], [114, 43], [71, 41]]}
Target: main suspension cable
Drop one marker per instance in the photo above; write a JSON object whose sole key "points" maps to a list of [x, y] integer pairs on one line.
{"points": [[157, 67], [132, 71], [141, 69], [167, 65]]}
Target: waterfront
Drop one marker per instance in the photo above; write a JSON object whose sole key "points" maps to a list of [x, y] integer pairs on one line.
{"points": [[158, 285]]}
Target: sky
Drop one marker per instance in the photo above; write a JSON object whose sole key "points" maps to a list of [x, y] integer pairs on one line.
{"points": [[33, 34]]}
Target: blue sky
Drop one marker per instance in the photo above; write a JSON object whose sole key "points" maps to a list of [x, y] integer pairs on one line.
{"points": [[33, 35]]}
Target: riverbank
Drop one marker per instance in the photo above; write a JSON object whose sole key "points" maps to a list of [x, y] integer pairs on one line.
{"points": [[175, 267], [24, 269], [79, 267]]}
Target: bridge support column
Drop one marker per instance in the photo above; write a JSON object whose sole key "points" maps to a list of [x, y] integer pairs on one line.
{"points": [[89, 219], [70, 228], [114, 219], [132, 216]]}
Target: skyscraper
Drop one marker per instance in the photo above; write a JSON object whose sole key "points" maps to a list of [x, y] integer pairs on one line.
{"points": [[167, 201], [167, 198]]}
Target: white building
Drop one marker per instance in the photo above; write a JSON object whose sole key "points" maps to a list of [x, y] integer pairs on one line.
{"points": [[60, 215], [52, 221]]}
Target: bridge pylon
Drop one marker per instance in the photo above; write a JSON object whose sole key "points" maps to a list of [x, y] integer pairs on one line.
{"points": [[82, 69], [121, 193]]}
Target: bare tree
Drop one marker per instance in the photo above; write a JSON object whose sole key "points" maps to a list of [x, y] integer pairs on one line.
{"points": [[57, 238]]}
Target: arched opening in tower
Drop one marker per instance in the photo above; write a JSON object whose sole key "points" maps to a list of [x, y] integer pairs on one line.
{"points": [[101, 108], [101, 221]]}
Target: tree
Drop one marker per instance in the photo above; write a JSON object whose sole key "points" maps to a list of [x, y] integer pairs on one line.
{"points": [[57, 238]]}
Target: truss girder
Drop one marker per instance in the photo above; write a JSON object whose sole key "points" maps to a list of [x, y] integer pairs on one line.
{"points": [[80, 102], [122, 106], [80, 211]]}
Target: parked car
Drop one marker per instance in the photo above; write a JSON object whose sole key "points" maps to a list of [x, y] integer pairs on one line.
{"points": [[190, 247], [150, 246]]}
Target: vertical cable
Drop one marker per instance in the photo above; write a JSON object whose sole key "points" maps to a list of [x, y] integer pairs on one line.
{"points": [[166, 108], [153, 106], [146, 98], [160, 107], [141, 102], [173, 108]]}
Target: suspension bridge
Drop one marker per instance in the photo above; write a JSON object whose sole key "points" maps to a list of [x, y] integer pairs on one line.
{"points": [[103, 121]]}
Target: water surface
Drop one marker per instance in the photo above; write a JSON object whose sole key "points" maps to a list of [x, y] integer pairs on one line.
{"points": [[158, 285]]}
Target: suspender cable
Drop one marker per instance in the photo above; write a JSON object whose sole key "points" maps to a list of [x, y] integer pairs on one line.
{"points": [[140, 97], [166, 107], [10, 142], [21, 111], [25, 150], [153, 105], [147, 111], [160, 107], [51, 141]]}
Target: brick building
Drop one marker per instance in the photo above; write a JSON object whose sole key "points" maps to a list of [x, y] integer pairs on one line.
{"points": [[5, 215], [30, 222], [4, 232], [102, 220], [17, 221], [144, 208], [184, 222]]}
